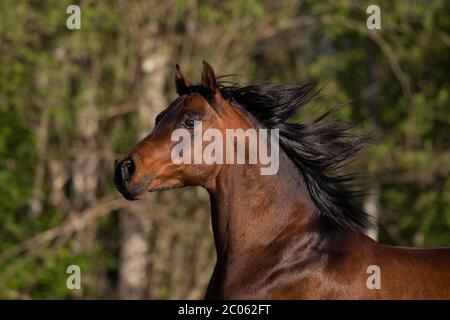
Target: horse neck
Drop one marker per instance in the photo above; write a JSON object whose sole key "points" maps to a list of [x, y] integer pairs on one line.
{"points": [[250, 210]]}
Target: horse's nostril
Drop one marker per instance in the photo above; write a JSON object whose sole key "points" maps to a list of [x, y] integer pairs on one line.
{"points": [[128, 169]]}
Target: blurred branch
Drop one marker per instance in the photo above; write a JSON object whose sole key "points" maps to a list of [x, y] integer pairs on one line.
{"points": [[75, 223], [118, 110], [395, 65], [392, 57]]}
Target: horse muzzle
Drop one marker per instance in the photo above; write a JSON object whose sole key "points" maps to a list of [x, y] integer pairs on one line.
{"points": [[124, 170]]}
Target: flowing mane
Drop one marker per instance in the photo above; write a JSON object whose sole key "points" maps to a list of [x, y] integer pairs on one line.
{"points": [[318, 148]]}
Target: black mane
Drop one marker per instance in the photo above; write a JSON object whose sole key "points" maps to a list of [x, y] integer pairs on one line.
{"points": [[318, 148]]}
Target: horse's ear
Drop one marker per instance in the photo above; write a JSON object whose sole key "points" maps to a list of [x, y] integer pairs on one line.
{"points": [[181, 82], [208, 77]]}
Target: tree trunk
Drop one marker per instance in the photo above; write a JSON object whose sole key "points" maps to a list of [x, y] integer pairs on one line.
{"points": [[133, 277]]}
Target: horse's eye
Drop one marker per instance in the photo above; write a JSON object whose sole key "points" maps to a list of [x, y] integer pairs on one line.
{"points": [[189, 123]]}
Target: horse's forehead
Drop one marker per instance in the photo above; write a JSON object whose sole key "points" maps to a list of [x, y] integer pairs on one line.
{"points": [[196, 101], [175, 106]]}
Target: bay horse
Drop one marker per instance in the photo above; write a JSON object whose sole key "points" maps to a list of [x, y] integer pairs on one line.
{"points": [[298, 234]]}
